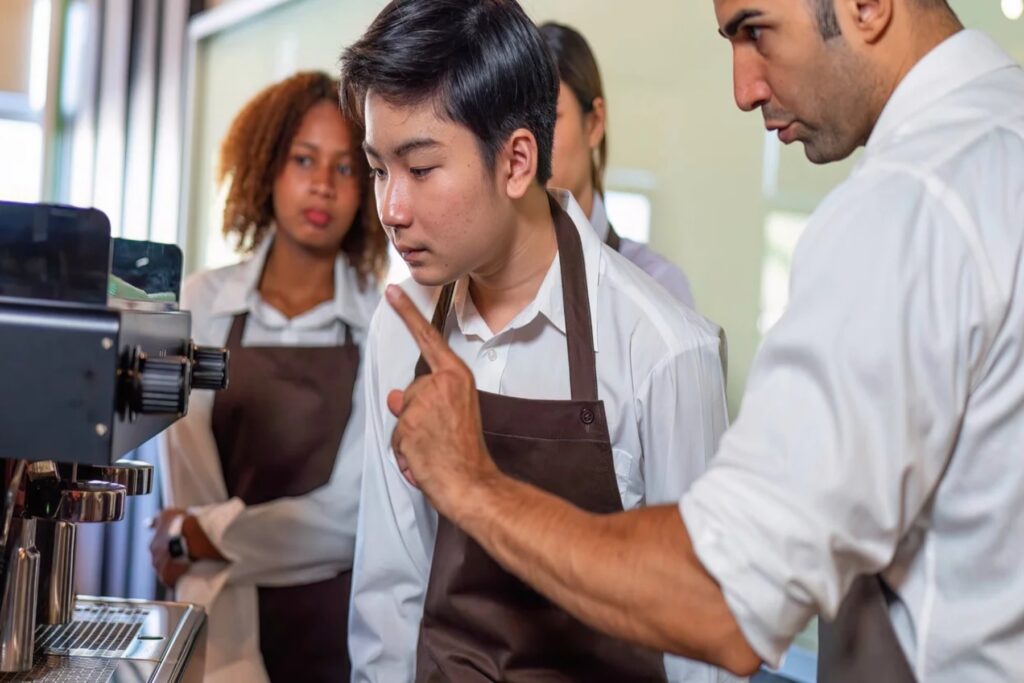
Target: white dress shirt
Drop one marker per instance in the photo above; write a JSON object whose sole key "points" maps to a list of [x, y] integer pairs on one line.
{"points": [[289, 541], [659, 377], [665, 273], [883, 420]]}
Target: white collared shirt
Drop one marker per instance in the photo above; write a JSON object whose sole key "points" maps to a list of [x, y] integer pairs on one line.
{"points": [[883, 421], [665, 273], [289, 541], [659, 377]]}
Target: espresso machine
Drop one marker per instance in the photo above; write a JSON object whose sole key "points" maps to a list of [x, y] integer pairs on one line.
{"points": [[95, 359]]}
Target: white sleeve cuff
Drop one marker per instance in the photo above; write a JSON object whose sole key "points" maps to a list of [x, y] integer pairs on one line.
{"points": [[750, 594], [216, 518]]}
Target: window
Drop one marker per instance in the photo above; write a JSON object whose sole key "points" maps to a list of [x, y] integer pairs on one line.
{"points": [[24, 46], [782, 230], [630, 213]]}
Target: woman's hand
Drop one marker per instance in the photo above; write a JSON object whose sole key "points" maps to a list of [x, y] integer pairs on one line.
{"points": [[168, 569]]}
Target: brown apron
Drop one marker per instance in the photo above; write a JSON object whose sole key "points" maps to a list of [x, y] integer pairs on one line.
{"points": [[480, 623], [860, 645], [278, 427]]}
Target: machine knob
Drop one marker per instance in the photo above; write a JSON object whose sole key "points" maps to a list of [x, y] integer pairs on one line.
{"points": [[160, 386], [90, 501], [79, 502], [134, 475], [209, 367]]}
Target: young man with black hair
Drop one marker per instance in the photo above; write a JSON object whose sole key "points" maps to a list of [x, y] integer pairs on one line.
{"points": [[596, 385]]}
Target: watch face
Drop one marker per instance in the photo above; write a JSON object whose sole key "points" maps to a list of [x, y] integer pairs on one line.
{"points": [[175, 547]]}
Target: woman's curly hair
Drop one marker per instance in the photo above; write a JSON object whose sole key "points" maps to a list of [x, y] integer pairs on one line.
{"points": [[254, 152]]}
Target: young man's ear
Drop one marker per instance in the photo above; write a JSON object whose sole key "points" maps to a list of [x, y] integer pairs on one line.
{"points": [[518, 163]]}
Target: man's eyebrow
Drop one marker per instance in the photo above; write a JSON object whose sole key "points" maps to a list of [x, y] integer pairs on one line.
{"points": [[404, 148], [414, 144], [733, 25]]}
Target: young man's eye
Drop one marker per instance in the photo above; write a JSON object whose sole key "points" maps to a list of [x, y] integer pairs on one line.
{"points": [[421, 172], [753, 33], [377, 173]]}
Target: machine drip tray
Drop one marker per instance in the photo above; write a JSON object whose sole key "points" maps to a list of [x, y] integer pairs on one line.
{"points": [[120, 641]]}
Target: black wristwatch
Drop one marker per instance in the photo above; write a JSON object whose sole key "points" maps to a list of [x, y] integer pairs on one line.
{"points": [[177, 546]]}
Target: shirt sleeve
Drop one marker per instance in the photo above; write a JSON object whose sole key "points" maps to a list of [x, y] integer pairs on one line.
{"points": [[682, 414], [395, 541], [851, 411]]}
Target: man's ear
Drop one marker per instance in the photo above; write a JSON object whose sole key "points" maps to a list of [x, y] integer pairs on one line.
{"points": [[864, 21], [518, 163]]}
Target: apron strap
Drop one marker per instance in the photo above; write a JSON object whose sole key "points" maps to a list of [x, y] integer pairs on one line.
{"points": [[579, 331], [237, 330], [613, 240], [441, 309]]}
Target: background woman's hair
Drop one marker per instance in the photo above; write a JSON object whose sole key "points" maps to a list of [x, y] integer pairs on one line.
{"points": [[577, 68], [254, 152]]}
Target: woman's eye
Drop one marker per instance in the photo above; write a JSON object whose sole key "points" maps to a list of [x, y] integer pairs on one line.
{"points": [[345, 170], [303, 160]]}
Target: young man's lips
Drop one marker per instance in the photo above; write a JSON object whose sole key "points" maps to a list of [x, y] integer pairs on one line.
{"points": [[411, 254], [317, 217]]}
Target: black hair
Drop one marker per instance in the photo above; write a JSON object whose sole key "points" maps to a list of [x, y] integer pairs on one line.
{"points": [[482, 62], [577, 68]]}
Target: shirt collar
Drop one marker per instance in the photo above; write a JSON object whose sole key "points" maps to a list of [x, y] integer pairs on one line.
{"points": [[548, 301], [958, 60], [239, 292]]}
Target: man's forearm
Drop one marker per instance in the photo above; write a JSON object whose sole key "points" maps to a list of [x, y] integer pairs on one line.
{"points": [[633, 575]]}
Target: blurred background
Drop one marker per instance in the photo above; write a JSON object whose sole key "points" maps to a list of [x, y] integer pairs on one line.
{"points": [[120, 104]]}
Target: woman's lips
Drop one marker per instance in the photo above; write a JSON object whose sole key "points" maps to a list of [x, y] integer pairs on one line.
{"points": [[317, 217]]}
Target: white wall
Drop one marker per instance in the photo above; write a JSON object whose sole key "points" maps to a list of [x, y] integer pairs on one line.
{"points": [[668, 79]]}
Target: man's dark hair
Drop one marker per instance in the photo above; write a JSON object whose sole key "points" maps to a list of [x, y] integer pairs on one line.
{"points": [[482, 62], [828, 23]]}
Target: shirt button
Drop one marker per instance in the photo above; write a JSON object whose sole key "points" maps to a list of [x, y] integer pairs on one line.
{"points": [[492, 355]]}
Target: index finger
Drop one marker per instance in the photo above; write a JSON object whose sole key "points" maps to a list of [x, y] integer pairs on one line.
{"points": [[434, 349]]}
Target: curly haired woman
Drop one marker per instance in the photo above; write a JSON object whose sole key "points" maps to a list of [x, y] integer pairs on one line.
{"points": [[262, 479]]}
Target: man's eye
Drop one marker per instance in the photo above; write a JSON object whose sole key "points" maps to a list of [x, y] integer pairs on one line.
{"points": [[753, 32], [377, 173], [421, 172]]}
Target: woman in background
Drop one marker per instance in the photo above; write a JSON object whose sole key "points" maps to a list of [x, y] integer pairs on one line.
{"points": [[262, 479], [581, 151]]}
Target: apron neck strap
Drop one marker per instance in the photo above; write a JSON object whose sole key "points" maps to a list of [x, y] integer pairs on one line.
{"points": [[237, 330], [579, 331], [613, 240]]}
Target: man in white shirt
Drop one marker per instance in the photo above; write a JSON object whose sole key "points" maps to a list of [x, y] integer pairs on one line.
{"points": [[598, 386], [875, 458]]}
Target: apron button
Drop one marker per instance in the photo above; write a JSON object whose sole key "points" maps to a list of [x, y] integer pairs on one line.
{"points": [[587, 416]]}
